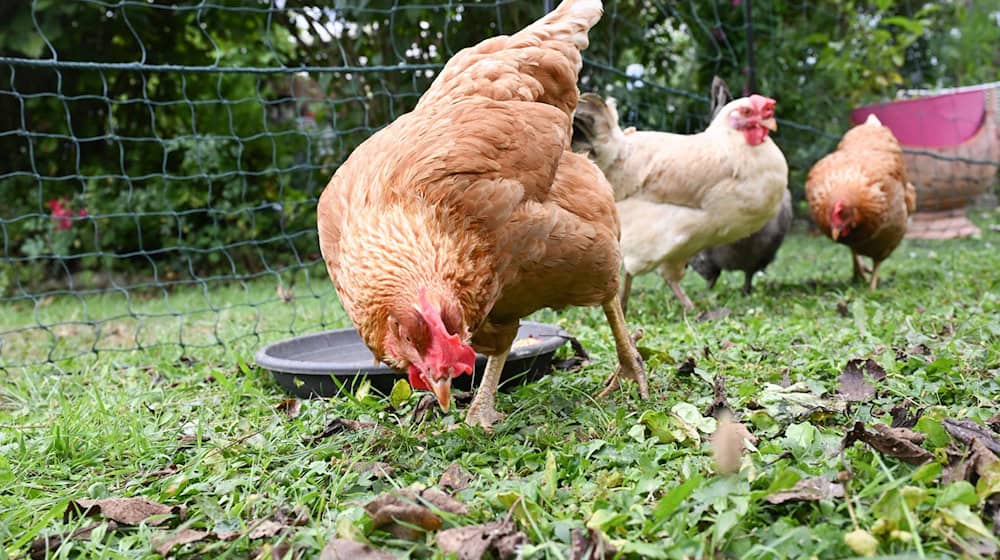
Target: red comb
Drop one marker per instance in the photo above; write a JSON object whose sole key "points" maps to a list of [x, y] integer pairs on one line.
{"points": [[763, 104]]}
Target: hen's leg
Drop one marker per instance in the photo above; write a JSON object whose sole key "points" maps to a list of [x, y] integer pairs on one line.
{"points": [[626, 289], [482, 411], [859, 268], [874, 281], [747, 282], [629, 361], [673, 274]]}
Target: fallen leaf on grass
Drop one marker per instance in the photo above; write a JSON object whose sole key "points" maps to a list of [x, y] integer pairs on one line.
{"points": [[190, 436], [681, 424], [403, 513], [43, 547], [590, 546], [265, 529], [728, 443], [994, 422], [966, 431], [455, 477], [687, 367], [720, 404], [184, 536], [808, 490], [903, 417], [377, 469], [474, 542], [797, 401], [127, 511], [295, 517], [291, 407], [853, 385], [339, 425], [901, 443], [573, 363], [713, 315], [346, 549], [974, 464]]}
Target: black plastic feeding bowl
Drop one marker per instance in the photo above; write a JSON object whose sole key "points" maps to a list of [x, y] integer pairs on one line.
{"points": [[319, 364]]}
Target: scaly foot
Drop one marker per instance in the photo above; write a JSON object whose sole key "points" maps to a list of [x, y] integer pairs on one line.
{"points": [[482, 414]]}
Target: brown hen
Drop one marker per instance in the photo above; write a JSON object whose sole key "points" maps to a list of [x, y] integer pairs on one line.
{"points": [[859, 196], [444, 229]]}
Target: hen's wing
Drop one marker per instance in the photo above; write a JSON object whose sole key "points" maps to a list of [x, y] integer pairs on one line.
{"points": [[539, 63]]}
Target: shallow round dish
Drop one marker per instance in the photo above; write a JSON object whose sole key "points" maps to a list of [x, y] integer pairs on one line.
{"points": [[319, 364]]}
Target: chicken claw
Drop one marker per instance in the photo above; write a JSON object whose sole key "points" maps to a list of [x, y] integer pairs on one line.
{"points": [[482, 411], [629, 361]]}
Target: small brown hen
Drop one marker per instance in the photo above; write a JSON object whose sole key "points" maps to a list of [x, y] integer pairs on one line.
{"points": [[859, 196], [444, 229]]}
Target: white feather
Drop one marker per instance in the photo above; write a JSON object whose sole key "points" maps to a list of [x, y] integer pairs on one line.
{"points": [[872, 119]]}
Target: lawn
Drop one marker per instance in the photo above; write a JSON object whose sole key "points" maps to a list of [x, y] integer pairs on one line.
{"points": [[245, 473]]}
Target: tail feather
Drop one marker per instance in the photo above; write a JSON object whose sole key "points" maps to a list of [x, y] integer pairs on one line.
{"points": [[569, 22], [540, 63], [594, 124]]}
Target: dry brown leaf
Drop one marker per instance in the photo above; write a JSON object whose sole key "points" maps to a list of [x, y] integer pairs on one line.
{"points": [[401, 512], [852, 383], [475, 541], [687, 367], [128, 511], [808, 489], [377, 469], [163, 546], [264, 529], [590, 546], [339, 425], [295, 517], [728, 444], [901, 443], [455, 477], [345, 549], [966, 431], [291, 407], [903, 416], [720, 402], [972, 465], [43, 547]]}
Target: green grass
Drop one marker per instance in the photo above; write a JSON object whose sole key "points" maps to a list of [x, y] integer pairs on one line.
{"points": [[108, 425]]}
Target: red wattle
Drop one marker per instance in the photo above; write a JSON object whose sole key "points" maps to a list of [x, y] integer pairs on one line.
{"points": [[417, 380]]}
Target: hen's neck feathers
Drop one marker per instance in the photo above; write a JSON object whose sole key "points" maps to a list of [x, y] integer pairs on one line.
{"points": [[401, 251]]}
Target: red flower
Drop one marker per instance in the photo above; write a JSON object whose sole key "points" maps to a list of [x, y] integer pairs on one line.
{"points": [[61, 214]]}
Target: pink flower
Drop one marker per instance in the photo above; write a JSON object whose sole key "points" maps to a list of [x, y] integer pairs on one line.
{"points": [[61, 214]]}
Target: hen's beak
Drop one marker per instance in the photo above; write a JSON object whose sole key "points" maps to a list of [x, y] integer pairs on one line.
{"points": [[442, 390], [770, 124], [835, 233]]}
